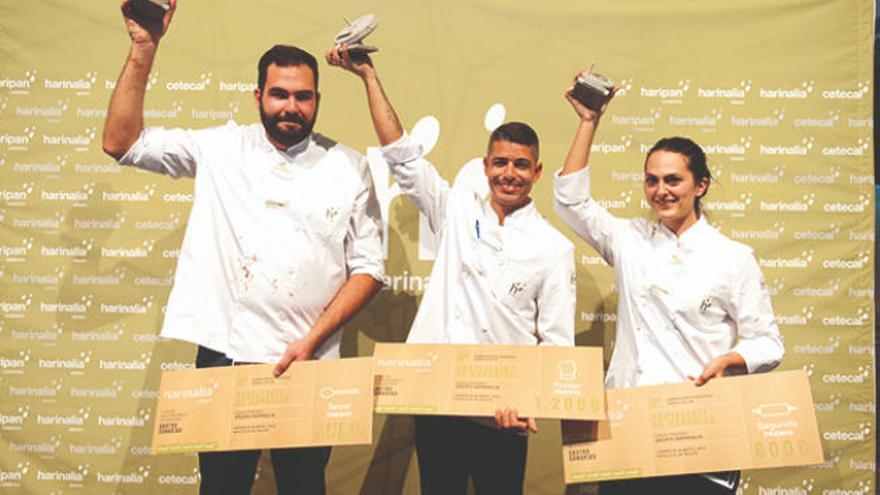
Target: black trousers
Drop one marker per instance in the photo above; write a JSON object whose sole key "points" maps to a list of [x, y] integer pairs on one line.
{"points": [[666, 485], [297, 471], [452, 449]]}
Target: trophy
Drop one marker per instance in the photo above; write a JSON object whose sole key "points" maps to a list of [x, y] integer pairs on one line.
{"points": [[153, 10], [592, 90], [354, 34]]}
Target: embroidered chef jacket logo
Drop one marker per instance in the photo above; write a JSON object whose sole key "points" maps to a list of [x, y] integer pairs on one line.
{"points": [[331, 213], [705, 305], [516, 288]]}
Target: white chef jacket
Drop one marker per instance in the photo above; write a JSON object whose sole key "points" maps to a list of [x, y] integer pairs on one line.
{"points": [[683, 301], [491, 283], [271, 237]]}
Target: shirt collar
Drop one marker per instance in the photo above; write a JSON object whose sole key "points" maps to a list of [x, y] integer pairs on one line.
{"points": [[515, 216], [292, 151], [690, 237]]}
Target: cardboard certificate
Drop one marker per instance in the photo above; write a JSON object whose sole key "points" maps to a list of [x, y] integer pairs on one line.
{"points": [[314, 403], [475, 380], [744, 422]]}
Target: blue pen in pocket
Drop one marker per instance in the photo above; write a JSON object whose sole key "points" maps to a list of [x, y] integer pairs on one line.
{"points": [[477, 227]]}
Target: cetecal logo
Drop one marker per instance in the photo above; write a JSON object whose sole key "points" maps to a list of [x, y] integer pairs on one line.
{"points": [[858, 206], [818, 177], [82, 84], [830, 347], [861, 375], [180, 479], [860, 319], [859, 262], [859, 92], [232, 109], [857, 434], [787, 93], [828, 289], [201, 84], [828, 120], [172, 112], [859, 149], [829, 405]]}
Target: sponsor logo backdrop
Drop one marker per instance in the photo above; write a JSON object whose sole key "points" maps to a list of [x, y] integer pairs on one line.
{"points": [[779, 93]]}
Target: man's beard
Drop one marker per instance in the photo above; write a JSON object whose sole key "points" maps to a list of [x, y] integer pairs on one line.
{"points": [[287, 138]]}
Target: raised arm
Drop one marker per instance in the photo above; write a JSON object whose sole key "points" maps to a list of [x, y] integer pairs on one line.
{"points": [[416, 177], [385, 121], [125, 119], [579, 152]]}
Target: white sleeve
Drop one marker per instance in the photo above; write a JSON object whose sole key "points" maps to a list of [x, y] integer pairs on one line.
{"points": [[556, 301], [589, 220], [759, 342], [363, 240], [173, 152], [418, 179]]}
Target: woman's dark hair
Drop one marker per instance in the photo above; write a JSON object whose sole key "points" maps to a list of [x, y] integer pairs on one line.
{"points": [[696, 160]]}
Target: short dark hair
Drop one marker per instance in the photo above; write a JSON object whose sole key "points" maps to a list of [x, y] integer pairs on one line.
{"points": [[285, 56], [514, 132], [695, 156]]}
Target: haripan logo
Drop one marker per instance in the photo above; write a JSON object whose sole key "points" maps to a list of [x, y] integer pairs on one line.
{"points": [[669, 95], [199, 85], [623, 200], [16, 308], [639, 122], [737, 92], [14, 421], [19, 141], [17, 253], [861, 91], [15, 476], [16, 364], [82, 84], [21, 85], [212, 114], [607, 148]]}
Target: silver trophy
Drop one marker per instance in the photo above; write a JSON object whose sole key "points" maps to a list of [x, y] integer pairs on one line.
{"points": [[354, 34], [593, 90]]}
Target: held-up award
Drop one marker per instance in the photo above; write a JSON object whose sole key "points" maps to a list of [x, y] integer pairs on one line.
{"points": [[353, 35], [592, 90], [154, 10]]}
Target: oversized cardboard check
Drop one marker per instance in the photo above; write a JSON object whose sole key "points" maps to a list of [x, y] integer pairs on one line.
{"points": [[744, 422], [327, 402], [475, 380]]}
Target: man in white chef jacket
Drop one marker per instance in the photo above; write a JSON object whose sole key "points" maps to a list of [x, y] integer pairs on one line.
{"points": [[502, 275]]}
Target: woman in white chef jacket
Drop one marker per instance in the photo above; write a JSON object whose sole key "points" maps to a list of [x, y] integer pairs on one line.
{"points": [[693, 304]]}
